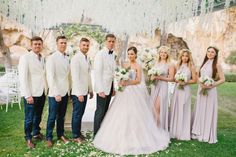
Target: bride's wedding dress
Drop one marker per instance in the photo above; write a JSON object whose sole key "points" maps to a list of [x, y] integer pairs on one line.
{"points": [[129, 127]]}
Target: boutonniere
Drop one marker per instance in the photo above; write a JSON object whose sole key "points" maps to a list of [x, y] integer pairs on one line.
{"points": [[90, 62]]}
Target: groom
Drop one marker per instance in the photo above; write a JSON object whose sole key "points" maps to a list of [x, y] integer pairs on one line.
{"points": [[104, 68]]}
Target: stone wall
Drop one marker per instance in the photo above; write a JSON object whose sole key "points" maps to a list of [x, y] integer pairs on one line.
{"points": [[16, 37], [217, 29]]}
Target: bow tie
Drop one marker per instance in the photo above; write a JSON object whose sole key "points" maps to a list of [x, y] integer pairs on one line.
{"points": [[110, 52]]}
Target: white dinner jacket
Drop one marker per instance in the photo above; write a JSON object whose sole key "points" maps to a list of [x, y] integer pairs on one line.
{"points": [[58, 74], [104, 69], [32, 75], [80, 74]]}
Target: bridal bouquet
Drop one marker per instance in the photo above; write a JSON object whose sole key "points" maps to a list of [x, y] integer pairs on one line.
{"points": [[121, 74], [207, 81], [180, 76]]}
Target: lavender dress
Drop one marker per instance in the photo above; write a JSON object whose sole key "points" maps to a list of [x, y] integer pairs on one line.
{"points": [[205, 120], [160, 90], [180, 114]]}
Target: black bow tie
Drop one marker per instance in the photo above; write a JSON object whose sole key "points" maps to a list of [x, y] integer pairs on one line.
{"points": [[110, 52]]}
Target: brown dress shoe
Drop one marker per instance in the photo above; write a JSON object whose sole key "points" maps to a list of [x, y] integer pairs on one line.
{"points": [[30, 144], [49, 143], [77, 140], [82, 137], [64, 140], [38, 137]]}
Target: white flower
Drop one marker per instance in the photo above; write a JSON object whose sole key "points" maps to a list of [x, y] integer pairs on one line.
{"points": [[154, 71], [121, 74], [148, 59], [180, 76], [207, 81]]}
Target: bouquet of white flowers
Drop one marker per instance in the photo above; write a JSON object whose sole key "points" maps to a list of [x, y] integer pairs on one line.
{"points": [[121, 74], [207, 81], [148, 59], [154, 71], [180, 76]]}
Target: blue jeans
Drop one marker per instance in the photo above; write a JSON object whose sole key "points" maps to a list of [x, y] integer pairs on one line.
{"points": [[78, 112], [33, 116], [57, 112]]}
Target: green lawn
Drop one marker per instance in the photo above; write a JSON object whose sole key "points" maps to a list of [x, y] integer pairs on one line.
{"points": [[12, 137]]}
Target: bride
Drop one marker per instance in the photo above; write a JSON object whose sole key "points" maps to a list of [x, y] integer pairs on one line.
{"points": [[129, 127]]}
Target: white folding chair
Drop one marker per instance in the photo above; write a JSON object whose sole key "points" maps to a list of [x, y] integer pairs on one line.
{"points": [[171, 88], [4, 90], [10, 93], [14, 91]]}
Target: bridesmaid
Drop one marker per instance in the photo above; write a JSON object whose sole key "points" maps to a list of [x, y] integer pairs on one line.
{"points": [[205, 119], [159, 93], [180, 115]]}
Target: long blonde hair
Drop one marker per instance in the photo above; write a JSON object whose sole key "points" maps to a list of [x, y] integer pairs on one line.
{"points": [[165, 49], [190, 58]]}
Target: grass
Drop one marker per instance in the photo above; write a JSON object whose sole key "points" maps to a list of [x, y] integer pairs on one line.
{"points": [[2, 68], [12, 136]]}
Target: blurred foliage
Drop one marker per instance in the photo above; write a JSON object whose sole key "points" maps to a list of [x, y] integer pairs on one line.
{"points": [[2, 68], [93, 31], [230, 77], [231, 59]]}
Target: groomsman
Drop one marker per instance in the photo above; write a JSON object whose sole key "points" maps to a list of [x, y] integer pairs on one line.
{"points": [[32, 88], [81, 87], [57, 72], [104, 68]]}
